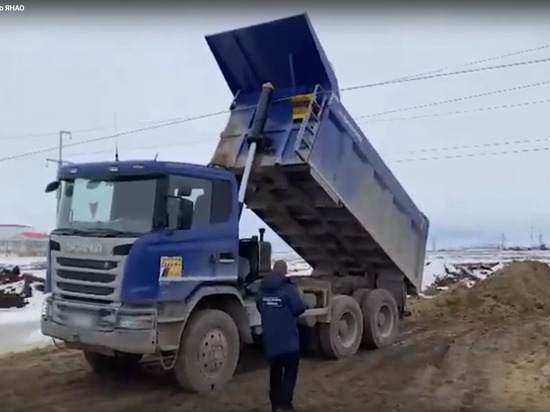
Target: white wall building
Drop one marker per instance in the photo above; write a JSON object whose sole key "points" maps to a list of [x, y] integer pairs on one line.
{"points": [[22, 240]]}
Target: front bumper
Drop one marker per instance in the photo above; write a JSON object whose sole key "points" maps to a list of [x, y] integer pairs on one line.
{"points": [[120, 335]]}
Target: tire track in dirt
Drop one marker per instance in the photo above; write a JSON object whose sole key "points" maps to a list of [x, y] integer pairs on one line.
{"points": [[441, 368], [62, 383]]}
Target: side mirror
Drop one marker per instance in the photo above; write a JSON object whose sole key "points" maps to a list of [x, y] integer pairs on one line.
{"points": [[265, 256], [52, 186]]}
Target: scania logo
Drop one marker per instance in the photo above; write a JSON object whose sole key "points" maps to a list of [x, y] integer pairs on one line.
{"points": [[84, 247]]}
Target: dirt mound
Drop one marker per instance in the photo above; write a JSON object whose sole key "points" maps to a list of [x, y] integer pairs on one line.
{"points": [[518, 289]]}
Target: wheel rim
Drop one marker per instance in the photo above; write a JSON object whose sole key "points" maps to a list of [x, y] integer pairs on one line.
{"points": [[214, 352], [384, 321], [347, 329]]}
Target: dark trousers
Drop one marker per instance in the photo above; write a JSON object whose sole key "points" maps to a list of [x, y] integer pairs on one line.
{"points": [[283, 371]]}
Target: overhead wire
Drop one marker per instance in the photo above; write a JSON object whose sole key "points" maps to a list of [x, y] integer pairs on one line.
{"points": [[454, 100], [478, 145], [456, 112], [47, 134], [423, 158], [398, 79], [218, 113], [93, 129], [462, 98], [479, 61], [397, 159], [447, 74], [107, 137], [111, 136], [472, 155]]}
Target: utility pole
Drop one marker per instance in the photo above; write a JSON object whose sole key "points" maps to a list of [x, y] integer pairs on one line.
{"points": [[59, 159], [503, 241]]}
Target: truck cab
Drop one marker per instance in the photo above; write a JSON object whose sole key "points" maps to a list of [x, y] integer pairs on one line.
{"points": [[135, 243]]}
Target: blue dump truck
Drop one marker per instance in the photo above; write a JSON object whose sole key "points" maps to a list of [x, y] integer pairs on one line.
{"points": [[146, 257]]}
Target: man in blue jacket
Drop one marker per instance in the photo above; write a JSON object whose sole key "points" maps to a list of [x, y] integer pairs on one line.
{"points": [[279, 304]]}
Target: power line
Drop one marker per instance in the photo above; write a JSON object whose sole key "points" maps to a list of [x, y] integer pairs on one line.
{"points": [[94, 129], [213, 114], [420, 76], [101, 138], [47, 134], [155, 146], [475, 62], [111, 136], [445, 157], [457, 99], [456, 112], [472, 155], [478, 145], [447, 74], [398, 160]]}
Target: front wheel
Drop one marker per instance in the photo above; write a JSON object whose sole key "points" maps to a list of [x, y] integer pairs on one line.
{"points": [[208, 353]]}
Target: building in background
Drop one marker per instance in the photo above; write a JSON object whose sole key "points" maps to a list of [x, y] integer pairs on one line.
{"points": [[22, 240]]}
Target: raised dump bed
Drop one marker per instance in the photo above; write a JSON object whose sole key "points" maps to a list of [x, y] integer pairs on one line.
{"points": [[317, 182]]}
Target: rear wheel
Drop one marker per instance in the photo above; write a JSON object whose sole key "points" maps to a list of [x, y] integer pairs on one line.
{"points": [[311, 345], [381, 319], [208, 353], [360, 295], [108, 365], [342, 336]]}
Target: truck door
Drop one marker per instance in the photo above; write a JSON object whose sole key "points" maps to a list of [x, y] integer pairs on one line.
{"points": [[202, 235]]}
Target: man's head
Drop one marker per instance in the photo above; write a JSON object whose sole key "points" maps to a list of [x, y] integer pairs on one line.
{"points": [[280, 267]]}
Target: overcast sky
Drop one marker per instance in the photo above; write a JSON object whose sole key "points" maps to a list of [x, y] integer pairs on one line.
{"points": [[127, 69]]}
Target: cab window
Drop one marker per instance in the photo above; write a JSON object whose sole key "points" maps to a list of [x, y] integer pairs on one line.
{"points": [[195, 202], [189, 202]]}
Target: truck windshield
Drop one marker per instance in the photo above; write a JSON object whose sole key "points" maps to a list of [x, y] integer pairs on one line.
{"points": [[122, 206]]}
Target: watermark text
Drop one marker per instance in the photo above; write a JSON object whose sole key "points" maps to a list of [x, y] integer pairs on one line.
{"points": [[11, 7]]}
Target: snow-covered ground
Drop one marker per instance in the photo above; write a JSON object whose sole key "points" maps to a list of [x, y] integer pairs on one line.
{"points": [[20, 328]]}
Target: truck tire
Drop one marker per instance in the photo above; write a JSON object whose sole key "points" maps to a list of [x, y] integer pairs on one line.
{"points": [[342, 336], [310, 340], [109, 365], [208, 353], [381, 318], [360, 295]]}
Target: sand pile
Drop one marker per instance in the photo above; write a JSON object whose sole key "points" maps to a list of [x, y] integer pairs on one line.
{"points": [[518, 289]]}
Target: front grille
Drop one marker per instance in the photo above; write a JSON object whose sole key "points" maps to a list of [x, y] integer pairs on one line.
{"points": [[87, 263], [87, 279], [85, 289], [86, 276]]}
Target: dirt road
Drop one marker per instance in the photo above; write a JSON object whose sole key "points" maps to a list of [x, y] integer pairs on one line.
{"points": [[491, 357]]}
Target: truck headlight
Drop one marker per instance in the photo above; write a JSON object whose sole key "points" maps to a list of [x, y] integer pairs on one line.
{"points": [[127, 321]]}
